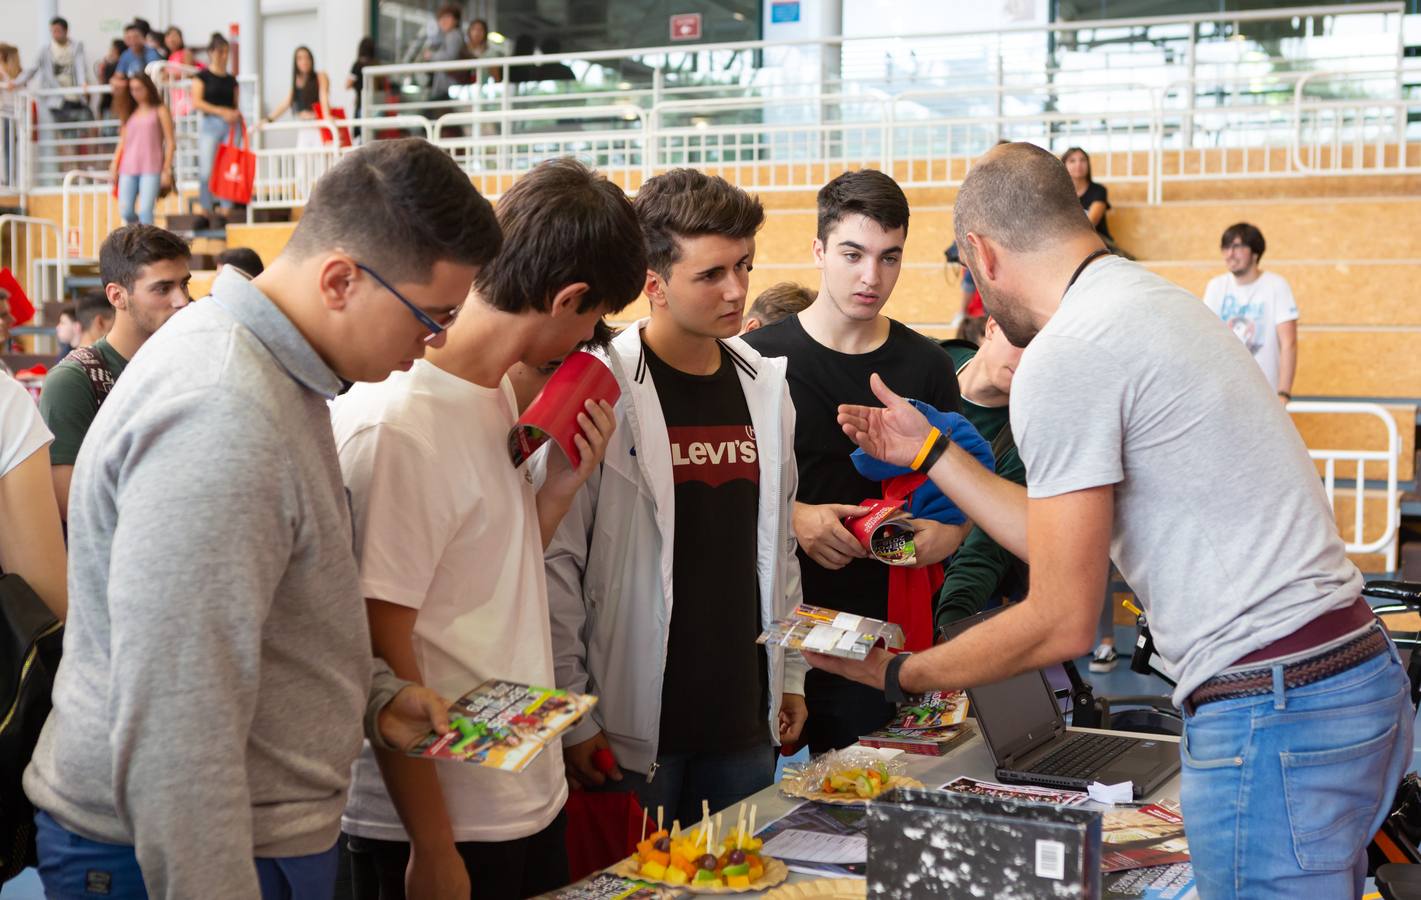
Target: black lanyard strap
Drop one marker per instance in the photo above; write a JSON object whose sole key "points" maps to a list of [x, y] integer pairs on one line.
{"points": [[1095, 254]]}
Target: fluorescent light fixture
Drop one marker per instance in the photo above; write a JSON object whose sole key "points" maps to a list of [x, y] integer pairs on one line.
{"points": [[624, 85], [496, 37]]}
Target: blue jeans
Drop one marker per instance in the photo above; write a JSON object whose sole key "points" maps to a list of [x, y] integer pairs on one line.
{"points": [[209, 137], [1283, 792], [72, 867], [682, 780], [142, 189]]}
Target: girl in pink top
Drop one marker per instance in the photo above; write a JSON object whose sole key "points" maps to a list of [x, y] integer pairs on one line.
{"points": [[144, 162]]}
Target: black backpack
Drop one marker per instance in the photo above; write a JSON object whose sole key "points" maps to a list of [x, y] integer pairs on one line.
{"points": [[30, 643]]}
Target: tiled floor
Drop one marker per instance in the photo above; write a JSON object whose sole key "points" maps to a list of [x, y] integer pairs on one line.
{"points": [[1117, 683]]}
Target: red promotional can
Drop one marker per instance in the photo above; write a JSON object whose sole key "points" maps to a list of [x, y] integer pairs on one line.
{"points": [[553, 413]]}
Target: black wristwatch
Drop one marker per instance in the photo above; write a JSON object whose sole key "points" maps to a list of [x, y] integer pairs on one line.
{"points": [[891, 688]]}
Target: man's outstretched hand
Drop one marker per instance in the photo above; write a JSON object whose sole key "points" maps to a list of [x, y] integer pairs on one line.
{"points": [[894, 433]]}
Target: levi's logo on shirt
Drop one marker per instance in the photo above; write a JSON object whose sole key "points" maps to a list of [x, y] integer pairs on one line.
{"points": [[713, 454]]}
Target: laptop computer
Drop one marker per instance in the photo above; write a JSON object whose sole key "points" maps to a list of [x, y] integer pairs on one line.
{"points": [[1021, 722]]}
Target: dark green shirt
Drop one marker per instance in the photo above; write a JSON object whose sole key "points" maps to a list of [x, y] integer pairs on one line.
{"points": [[68, 406], [981, 569]]}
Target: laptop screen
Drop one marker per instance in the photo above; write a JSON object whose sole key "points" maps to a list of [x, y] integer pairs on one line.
{"points": [[1016, 714]]}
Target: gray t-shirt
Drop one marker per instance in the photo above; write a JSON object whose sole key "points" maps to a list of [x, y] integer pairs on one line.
{"points": [[1222, 526]]}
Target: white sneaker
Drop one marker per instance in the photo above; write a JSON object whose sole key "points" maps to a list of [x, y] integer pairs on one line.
{"points": [[1104, 658]]}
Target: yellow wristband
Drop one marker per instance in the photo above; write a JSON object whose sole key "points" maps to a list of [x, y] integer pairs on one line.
{"points": [[926, 448]]}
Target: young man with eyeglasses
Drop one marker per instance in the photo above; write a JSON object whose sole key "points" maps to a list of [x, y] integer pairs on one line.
{"points": [[1257, 306], [450, 539], [217, 663]]}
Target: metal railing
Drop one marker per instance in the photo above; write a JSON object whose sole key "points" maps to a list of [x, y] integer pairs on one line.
{"points": [[89, 212], [32, 253], [1386, 542], [1154, 50], [286, 174], [1198, 116]]}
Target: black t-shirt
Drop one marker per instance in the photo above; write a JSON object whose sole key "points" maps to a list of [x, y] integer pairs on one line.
{"points": [[1093, 193], [819, 380], [218, 90], [713, 697]]}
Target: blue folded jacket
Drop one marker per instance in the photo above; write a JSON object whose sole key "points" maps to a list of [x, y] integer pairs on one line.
{"points": [[928, 501]]}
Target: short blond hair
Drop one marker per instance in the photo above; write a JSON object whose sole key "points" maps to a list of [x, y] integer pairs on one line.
{"points": [[780, 301]]}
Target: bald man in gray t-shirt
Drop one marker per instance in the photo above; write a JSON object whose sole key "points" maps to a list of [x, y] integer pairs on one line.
{"points": [[1151, 438]]}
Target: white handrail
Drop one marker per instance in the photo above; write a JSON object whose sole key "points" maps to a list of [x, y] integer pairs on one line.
{"points": [[1387, 542], [1400, 106], [41, 248]]}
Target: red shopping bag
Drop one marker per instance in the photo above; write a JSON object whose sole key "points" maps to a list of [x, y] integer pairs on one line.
{"points": [[335, 113], [234, 170]]}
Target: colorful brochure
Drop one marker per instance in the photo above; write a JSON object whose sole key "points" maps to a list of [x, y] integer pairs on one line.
{"points": [[922, 742], [965, 785], [832, 633], [504, 725], [1151, 835]]}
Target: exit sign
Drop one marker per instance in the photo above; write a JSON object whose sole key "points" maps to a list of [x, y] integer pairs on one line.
{"points": [[686, 27]]}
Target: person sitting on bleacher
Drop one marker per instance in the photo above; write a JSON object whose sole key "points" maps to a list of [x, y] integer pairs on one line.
{"points": [[1257, 306], [145, 274]]}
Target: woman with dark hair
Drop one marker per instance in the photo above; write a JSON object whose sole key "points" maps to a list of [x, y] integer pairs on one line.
{"points": [[214, 94], [365, 55], [1095, 200], [143, 165], [180, 59], [309, 87]]}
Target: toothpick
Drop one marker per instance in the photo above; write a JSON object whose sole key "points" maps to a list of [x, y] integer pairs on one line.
{"points": [[753, 809], [675, 829], [659, 811], [643, 827], [740, 828]]}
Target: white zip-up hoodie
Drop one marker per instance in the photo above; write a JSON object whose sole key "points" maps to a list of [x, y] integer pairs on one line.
{"points": [[610, 564]]}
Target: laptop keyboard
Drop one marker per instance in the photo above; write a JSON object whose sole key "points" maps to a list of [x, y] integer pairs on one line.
{"points": [[1082, 756]]}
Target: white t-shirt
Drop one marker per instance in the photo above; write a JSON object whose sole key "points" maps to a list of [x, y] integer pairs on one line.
{"points": [[444, 524], [1254, 312], [22, 431], [1221, 523]]}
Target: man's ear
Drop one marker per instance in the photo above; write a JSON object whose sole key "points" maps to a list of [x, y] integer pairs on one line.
{"points": [[567, 300], [818, 251], [655, 288], [118, 297], [984, 255], [336, 276]]}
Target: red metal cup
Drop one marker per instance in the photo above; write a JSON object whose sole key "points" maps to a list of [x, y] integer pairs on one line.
{"points": [[553, 413]]}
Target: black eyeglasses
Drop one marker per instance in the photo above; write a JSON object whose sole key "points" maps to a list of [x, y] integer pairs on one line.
{"points": [[435, 329]]}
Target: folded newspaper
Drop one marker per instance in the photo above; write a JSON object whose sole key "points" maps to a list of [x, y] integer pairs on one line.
{"points": [[830, 632], [503, 725]]}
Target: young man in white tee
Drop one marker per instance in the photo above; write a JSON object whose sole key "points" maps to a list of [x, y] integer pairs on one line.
{"points": [[1257, 306], [679, 549], [450, 538]]}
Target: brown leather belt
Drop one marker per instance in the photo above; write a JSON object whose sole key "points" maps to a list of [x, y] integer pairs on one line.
{"points": [[1258, 681]]}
